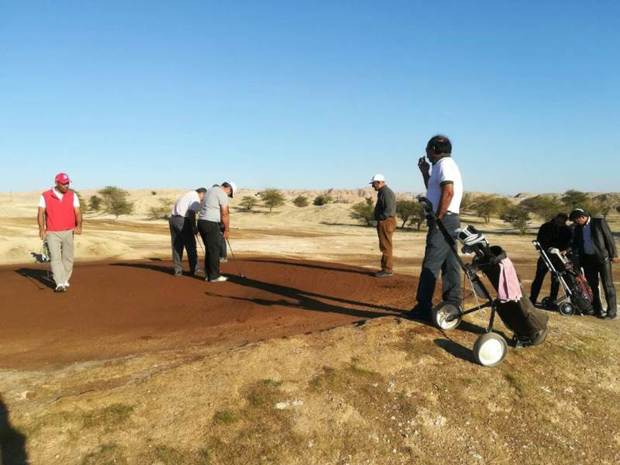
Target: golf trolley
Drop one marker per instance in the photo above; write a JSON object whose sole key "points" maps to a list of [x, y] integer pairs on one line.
{"points": [[490, 348], [577, 293]]}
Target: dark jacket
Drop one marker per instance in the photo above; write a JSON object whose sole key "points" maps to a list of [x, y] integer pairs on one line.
{"points": [[602, 240], [552, 235], [386, 204]]}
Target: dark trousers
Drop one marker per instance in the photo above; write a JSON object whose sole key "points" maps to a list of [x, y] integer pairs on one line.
{"points": [[593, 269], [212, 237], [182, 237], [439, 257], [541, 272], [223, 248]]}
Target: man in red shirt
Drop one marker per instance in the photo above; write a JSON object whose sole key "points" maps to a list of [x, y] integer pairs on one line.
{"points": [[59, 217]]}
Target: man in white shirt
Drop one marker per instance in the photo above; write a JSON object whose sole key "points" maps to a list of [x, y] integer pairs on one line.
{"points": [[183, 230], [59, 218], [445, 191], [213, 222]]}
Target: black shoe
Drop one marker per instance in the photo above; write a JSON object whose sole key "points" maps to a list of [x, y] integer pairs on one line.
{"points": [[383, 274], [602, 316], [611, 316], [60, 289]]}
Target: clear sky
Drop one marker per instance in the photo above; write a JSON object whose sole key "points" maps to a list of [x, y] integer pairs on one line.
{"points": [[309, 94]]}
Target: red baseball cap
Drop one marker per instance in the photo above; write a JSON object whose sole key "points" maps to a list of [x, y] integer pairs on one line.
{"points": [[62, 178]]}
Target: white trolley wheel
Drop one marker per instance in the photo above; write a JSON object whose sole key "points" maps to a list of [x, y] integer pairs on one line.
{"points": [[566, 309], [490, 349], [441, 313]]}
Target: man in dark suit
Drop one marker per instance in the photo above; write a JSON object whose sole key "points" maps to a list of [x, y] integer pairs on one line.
{"points": [[593, 244], [556, 234]]}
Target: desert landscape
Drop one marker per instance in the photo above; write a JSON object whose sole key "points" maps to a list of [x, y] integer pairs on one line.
{"points": [[303, 357]]}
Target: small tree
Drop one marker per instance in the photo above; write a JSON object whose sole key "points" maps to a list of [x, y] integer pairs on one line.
{"points": [[94, 203], [545, 206], [115, 201], [518, 217], [467, 202], [602, 204], [408, 210], [322, 199], [488, 205], [419, 218], [247, 203], [272, 198], [161, 212], [300, 201], [575, 199], [363, 212]]}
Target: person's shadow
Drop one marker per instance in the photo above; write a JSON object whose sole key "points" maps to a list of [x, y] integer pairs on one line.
{"points": [[12, 442]]}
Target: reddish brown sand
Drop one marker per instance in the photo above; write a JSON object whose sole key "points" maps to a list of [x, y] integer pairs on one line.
{"points": [[120, 308]]}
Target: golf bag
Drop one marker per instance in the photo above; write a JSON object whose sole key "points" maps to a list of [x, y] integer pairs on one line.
{"points": [[527, 323], [577, 293]]}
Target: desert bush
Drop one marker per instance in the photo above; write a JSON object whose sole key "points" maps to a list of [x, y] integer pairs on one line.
{"points": [[94, 203], [247, 203], [363, 212], [115, 201], [545, 206], [271, 198], [322, 199], [518, 217], [301, 201], [410, 211], [161, 212]]}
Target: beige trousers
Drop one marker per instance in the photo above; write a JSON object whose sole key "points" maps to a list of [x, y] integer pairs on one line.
{"points": [[60, 244]]}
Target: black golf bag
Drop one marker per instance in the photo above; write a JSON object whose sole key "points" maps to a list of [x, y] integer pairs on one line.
{"points": [[577, 293], [527, 322]]}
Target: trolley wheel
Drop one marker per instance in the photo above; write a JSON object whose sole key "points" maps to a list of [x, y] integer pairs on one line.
{"points": [[566, 309], [490, 349], [446, 316], [547, 303]]}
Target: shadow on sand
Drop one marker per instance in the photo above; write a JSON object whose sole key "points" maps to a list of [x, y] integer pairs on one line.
{"points": [[42, 279], [12, 442]]}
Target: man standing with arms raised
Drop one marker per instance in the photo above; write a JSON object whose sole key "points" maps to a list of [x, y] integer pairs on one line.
{"points": [[444, 190], [183, 230], [385, 215], [214, 212], [59, 217]]}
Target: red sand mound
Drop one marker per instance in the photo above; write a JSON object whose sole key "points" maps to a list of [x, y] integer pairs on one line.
{"points": [[120, 308]]}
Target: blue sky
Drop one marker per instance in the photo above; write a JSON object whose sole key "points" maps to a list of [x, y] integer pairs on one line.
{"points": [[312, 94]]}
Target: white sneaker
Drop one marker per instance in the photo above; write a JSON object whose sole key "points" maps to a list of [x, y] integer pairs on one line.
{"points": [[219, 279]]}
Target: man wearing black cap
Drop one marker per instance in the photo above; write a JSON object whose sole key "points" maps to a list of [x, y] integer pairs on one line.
{"points": [[444, 186], [555, 234], [594, 245]]}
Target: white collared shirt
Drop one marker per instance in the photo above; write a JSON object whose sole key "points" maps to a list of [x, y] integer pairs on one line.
{"points": [[190, 201], [588, 245], [60, 195], [445, 170]]}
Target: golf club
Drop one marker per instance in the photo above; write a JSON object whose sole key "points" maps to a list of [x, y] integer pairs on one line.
{"points": [[235, 259]]}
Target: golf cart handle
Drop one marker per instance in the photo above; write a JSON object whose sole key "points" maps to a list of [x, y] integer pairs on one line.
{"points": [[428, 206]]}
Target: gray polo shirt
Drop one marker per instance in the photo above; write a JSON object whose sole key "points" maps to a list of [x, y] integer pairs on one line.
{"points": [[214, 199]]}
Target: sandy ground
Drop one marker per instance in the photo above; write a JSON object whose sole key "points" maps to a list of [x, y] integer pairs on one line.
{"points": [[120, 370]]}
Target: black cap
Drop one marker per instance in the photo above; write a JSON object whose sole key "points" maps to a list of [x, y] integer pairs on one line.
{"points": [[576, 213]]}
